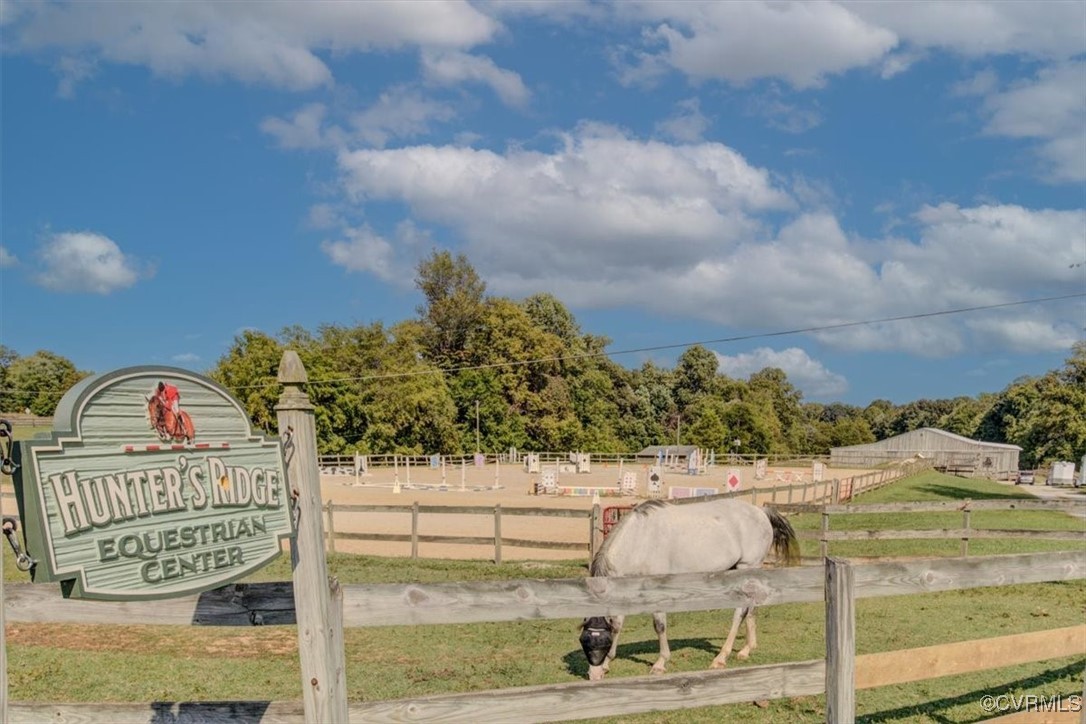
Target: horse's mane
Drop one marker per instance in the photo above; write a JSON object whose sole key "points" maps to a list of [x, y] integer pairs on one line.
{"points": [[600, 565]]}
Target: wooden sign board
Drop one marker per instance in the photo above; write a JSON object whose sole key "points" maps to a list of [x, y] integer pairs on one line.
{"points": [[140, 494]]}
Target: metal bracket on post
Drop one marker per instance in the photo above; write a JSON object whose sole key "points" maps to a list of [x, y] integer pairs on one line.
{"points": [[22, 561]]}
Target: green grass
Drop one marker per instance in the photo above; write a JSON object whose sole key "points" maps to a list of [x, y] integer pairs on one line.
{"points": [[146, 663]]}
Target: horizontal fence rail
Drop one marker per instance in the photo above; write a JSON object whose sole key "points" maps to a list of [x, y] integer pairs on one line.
{"points": [[611, 697], [477, 601]]}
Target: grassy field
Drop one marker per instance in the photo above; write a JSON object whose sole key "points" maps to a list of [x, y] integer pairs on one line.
{"points": [[145, 663]]}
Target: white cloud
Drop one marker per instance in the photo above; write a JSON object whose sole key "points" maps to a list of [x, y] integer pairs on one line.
{"points": [[804, 43], [801, 43], [694, 231], [808, 374], [266, 42], [7, 258], [323, 216], [976, 28], [453, 67], [599, 196], [303, 130], [73, 71], [364, 250], [1050, 108], [87, 262], [399, 112], [186, 358], [687, 124], [782, 114]]}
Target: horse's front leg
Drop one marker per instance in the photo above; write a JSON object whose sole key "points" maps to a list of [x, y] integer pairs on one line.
{"points": [[616, 627], [659, 622]]}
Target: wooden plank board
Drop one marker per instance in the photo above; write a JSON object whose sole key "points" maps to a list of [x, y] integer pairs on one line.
{"points": [[612, 697], [471, 602], [464, 510], [187, 712], [898, 667], [577, 700]]}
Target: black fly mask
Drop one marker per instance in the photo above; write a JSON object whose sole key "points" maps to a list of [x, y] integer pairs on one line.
{"points": [[596, 639]]}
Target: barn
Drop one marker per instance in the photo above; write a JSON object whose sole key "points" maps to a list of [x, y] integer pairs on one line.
{"points": [[948, 451]]}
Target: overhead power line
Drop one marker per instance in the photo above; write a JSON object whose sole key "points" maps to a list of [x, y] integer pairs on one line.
{"points": [[660, 347], [704, 342]]}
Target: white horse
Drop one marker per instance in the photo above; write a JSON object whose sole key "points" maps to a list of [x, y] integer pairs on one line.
{"points": [[660, 538]]}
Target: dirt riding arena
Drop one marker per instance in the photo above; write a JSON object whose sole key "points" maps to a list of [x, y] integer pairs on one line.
{"points": [[475, 486]]}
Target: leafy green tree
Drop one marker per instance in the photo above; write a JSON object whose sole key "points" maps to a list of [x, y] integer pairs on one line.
{"points": [[453, 309], [753, 425], [249, 370], [695, 375], [849, 431], [880, 418], [7, 356], [38, 381], [771, 385], [706, 427]]}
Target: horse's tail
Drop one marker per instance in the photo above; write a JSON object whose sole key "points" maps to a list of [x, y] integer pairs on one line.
{"points": [[785, 543]]}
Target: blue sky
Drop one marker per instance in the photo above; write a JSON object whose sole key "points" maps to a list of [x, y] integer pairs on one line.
{"points": [[175, 173]]}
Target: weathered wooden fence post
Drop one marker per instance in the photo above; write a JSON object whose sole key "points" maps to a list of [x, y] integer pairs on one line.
{"points": [[595, 524], [824, 543], [320, 646], [498, 533], [415, 530], [331, 529], [840, 642], [965, 532]]}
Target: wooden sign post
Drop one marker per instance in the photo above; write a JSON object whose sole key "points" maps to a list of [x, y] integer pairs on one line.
{"points": [[317, 600]]}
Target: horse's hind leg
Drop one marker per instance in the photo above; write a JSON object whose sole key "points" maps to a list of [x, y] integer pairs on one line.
{"points": [[721, 659], [752, 636], [659, 622]]}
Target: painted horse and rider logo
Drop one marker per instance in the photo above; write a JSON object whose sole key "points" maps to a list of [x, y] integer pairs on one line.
{"points": [[167, 418]]}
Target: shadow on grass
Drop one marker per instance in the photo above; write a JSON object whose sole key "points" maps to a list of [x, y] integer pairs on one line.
{"points": [[937, 711], [952, 492], [645, 652]]}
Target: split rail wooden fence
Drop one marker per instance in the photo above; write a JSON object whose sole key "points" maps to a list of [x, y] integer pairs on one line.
{"points": [[838, 675], [965, 533], [827, 490]]}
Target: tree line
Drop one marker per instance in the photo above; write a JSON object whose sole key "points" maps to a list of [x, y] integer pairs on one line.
{"points": [[479, 372]]}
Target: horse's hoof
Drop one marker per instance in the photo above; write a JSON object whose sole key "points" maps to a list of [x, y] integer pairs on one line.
{"points": [[743, 655], [657, 670], [718, 665]]}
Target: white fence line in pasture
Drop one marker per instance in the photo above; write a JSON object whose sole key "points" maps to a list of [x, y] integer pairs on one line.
{"points": [[965, 533], [449, 603], [345, 463]]}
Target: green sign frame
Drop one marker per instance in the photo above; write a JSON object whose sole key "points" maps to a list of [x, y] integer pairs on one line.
{"points": [[152, 485]]}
